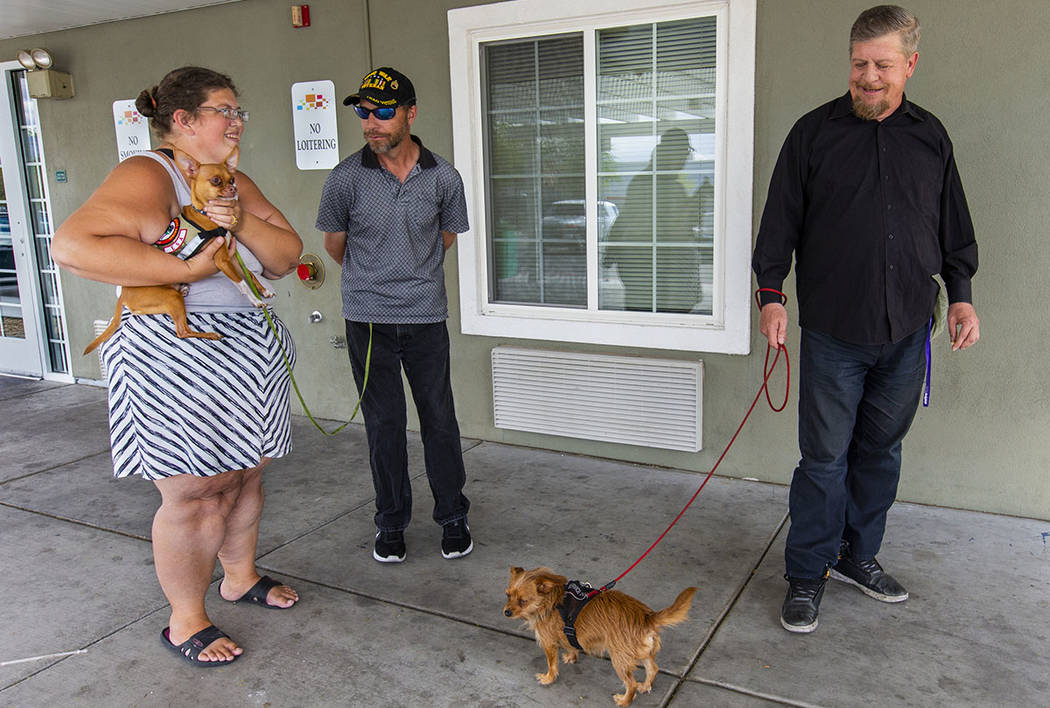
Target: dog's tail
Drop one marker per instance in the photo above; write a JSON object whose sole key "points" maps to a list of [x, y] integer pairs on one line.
{"points": [[677, 612], [113, 324]]}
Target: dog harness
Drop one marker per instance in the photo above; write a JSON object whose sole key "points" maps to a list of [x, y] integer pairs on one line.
{"points": [[184, 237], [577, 594]]}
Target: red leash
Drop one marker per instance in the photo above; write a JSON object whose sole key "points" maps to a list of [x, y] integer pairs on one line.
{"points": [[767, 371]]}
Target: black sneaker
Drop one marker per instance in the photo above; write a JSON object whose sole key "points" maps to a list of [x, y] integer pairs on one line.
{"points": [[802, 604], [455, 539], [869, 576], [390, 547]]}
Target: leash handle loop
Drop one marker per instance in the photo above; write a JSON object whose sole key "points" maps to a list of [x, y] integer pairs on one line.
{"points": [[929, 366], [758, 299]]}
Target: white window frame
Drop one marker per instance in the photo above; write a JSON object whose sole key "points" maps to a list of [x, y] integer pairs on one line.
{"points": [[728, 329]]}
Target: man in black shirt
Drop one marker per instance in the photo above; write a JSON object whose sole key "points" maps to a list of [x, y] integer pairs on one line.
{"points": [[867, 196]]}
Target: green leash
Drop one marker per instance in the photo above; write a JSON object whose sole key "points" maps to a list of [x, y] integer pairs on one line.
{"points": [[288, 366]]}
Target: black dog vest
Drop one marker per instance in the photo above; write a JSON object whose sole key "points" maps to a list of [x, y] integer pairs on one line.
{"points": [[577, 594]]}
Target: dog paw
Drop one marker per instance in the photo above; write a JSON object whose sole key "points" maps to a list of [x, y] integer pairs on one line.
{"points": [[622, 700], [247, 292], [183, 288], [266, 294], [546, 679], [569, 658]]}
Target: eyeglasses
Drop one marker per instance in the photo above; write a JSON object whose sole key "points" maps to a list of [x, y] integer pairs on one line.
{"points": [[230, 114], [382, 113]]}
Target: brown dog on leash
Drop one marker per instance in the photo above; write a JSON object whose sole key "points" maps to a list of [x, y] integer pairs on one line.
{"points": [[207, 181], [610, 621]]}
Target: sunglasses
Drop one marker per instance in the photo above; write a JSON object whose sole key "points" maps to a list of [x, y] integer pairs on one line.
{"points": [[227, 113], [382, 113]]}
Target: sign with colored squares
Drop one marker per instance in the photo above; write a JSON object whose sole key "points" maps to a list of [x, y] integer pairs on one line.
{"points": [[313, 102], [131, 117], [316, 139], [132, 129]]}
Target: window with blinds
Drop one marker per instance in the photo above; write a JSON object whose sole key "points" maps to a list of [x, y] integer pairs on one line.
{"points": [[611, 169], [535, 133], [656, 135]]}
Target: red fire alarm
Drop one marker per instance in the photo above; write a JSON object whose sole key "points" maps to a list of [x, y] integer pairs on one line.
{"points": [[300, 15]]}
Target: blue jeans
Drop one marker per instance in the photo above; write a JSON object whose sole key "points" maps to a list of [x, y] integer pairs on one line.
{"points": [[422, 349], [856, 403]]}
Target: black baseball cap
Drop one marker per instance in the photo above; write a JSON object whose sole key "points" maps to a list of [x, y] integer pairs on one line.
{"points": [[384, 87]]}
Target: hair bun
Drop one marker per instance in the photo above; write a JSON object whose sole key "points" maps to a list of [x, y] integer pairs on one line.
{"points": [[146, 103]]}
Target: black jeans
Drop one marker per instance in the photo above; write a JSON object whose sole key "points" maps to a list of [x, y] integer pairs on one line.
{"points": [[422, 349], [855, 405]]}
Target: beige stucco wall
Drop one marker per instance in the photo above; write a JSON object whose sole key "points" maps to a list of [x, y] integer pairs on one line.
{"points": [[982, 445]]}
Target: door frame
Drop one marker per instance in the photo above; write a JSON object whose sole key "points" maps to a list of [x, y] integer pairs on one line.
{"points": [[33, 359]]}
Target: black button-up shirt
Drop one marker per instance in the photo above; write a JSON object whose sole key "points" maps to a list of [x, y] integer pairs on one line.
{"points": [[872, 210]]}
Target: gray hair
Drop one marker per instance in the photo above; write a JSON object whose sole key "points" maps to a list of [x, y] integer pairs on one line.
{"points": [[887, 19]]}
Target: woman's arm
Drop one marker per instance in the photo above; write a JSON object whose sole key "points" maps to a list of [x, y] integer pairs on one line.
{"points": [[260, 226], [107, 238]]}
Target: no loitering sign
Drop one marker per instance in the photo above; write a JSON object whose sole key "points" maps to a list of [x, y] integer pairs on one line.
{"points": [[315, 126]]}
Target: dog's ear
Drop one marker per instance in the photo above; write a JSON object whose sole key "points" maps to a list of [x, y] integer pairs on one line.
{"points": [[548, 582], [516, 573], [548, 585], [231, 159], [186, 164]]}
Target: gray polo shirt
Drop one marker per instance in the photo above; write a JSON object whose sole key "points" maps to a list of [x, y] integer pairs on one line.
{"points": [[392, 267]]}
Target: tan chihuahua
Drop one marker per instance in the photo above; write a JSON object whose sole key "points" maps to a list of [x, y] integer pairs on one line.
{"points": [[610, 621], [207, 181]]}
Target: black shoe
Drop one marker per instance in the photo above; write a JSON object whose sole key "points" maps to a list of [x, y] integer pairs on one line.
{"points": [[802, 604], [455, 539], [869, 576], [390, 547]]}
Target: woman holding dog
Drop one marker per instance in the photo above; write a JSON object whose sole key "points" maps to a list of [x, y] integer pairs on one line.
{"points": [[197, 417]]}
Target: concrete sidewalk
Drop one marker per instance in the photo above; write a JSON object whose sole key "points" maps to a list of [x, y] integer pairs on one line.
{"points": [[77, 572]]}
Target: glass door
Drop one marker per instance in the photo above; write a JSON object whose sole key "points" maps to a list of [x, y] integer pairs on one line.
{"points": [[30, 343]]}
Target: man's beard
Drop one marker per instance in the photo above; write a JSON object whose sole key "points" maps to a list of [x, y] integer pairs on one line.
{"points": [[868, 111], [387, 142]]}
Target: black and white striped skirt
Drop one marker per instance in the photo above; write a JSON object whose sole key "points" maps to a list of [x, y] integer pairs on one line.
{"points": [[197, 406]]}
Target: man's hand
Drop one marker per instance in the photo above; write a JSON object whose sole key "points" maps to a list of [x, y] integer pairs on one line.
{"points": [[963, 325], [773, 324]]}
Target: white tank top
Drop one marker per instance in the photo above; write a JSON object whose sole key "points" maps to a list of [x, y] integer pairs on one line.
{"points": [[216, 293]]}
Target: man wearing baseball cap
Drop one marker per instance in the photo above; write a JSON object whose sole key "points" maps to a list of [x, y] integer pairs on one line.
{"points": [[389, 212]]}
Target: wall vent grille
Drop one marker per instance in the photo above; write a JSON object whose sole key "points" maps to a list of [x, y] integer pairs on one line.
{"points": [[99, 326], [630, 400]]}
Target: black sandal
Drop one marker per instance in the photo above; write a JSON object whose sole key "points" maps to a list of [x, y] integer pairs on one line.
{"points": [[191, 649], [258, 592]]}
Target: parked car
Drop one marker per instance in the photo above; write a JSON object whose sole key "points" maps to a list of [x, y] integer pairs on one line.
{"points": [[567, 219]]}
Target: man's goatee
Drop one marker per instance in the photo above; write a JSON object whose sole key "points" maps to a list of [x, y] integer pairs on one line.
{"points": [[866, 111]]}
